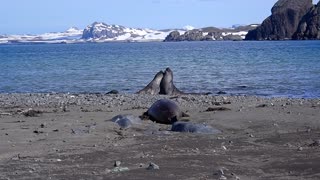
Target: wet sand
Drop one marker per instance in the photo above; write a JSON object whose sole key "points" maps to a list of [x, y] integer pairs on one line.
{"points": [[70, 136]]}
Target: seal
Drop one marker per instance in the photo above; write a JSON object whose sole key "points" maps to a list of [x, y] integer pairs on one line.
{"points": [[164, 111], [166, 85], [193, 128], [153, 87], [126, 121]]}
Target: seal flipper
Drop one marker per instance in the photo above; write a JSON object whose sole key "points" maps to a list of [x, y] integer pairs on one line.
{"points": [[173, 119], [185, 115], [145, 116]]}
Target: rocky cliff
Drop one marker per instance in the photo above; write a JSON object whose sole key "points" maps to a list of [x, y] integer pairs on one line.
{"points": [[210, 34], [290, 19], [309, 27]]}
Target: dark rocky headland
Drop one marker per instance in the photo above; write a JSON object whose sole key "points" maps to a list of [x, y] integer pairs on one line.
{"points": [[211, 34], [290, 20]]}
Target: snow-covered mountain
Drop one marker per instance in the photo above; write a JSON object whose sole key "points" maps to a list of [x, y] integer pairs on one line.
{"points": [[71, 35], [96, 32], [102, 32]]}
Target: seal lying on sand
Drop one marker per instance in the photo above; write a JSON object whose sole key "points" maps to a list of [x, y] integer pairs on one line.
{"points": [[193, 128], [126, 121], [153, 87], [166, 85], [164, 111]]}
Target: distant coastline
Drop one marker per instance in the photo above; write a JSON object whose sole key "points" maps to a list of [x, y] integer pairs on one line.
{"points": [[290, 20], [99, 32]]}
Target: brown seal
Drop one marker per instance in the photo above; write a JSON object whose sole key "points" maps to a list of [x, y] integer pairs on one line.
{"points": [[166, 85], [153, 87], [165, 111]]}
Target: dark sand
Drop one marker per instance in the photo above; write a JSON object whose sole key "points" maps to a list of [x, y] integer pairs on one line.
{"points": [[71, 137]]}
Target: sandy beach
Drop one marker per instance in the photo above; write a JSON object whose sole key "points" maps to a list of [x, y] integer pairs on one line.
{"points": [[71, 136]]}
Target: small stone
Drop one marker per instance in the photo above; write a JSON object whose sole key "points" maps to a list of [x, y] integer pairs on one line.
{"points": [[221, 92], [113, 92], [31, 113], [251, 135], [262, 106], [120, 169], [106, 171], [219, 172], [37, 132], [42, 125], [117, 163], [153, 166], [300, 149], [210, 109], [16, 158], [222, 177], [315, 143]]}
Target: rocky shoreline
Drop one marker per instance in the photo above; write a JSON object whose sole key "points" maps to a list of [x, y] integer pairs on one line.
{"points": [[71, 136]]}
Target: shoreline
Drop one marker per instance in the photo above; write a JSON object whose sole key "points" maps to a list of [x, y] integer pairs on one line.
{"points": [[71, 136]]}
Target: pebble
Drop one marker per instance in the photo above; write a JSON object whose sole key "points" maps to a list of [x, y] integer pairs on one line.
{"points": [[117, 163], [300, 148], [219, 172], [120, 169], [315, 143], [222, 177], [31, 113], [153, 166]]}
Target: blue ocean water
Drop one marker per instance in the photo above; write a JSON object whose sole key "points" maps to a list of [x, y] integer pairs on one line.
{"points": [[273, 68]]}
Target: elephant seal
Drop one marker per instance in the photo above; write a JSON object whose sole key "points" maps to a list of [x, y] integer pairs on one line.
{"points": [[153, 87], [166, 85], [126, 121], [189, 127], [164, 111]]}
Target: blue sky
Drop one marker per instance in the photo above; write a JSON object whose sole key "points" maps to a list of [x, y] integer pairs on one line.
{"points": [[39, 16]]}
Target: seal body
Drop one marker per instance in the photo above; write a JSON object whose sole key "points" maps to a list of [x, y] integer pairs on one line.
{"points": [[126, 121], [166, 85], [164, 111], [193, 128], [153, 87]]}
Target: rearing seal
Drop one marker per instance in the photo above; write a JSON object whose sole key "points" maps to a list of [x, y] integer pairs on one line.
{"points": [[153, 87], [166, 85]]}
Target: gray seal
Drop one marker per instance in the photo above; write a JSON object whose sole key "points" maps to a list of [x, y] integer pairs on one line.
{"points": [[189, 127], [166, 85], [153, 87], [126, 121], [164, 111]]}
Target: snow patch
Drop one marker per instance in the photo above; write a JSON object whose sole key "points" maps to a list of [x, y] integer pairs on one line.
{"points": [[188, 28]]}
